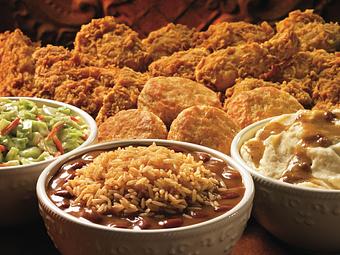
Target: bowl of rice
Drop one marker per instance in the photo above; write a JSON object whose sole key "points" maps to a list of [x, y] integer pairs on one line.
{"points": [[145, 197], [33, 133]]}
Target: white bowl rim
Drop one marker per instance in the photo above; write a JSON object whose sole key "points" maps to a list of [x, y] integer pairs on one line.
{"points": [[235, 154], [246, 179], [92, 126]]}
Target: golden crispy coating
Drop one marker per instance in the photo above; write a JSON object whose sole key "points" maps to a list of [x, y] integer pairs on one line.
{"points": [[16, 64], [306, 64], [326, 93], [312, 30], [225, 34], [117, 99], [204, 125], [169, 39], [300, 89], [249, 84], [52, 65], [248, 107], [221, 68], [180, 64], [283, 45], [104, 42], [86, 94], [132, 124], [168, 96]]}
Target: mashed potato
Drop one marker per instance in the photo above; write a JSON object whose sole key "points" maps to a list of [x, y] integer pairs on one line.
{"points": [[301, 148]]}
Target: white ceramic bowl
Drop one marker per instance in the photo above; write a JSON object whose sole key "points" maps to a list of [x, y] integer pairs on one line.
{"points": [[303, 217], [17, 183], [74, 236]]}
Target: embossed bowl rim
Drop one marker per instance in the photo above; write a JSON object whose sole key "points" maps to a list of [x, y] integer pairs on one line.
{"points": [[249, 132], [52, 103], [48, 173]]}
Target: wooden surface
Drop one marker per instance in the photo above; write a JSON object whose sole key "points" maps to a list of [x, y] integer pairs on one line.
{"points": [[32, 239]]}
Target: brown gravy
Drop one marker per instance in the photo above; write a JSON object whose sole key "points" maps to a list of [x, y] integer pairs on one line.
{"points": [[63, 199], [319, 130]]}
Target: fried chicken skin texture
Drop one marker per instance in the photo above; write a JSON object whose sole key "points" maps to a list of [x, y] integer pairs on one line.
{"points": [[104, 42], [326, 93], [248, 107], [86, 94], [306, 64], [16, 64], [312, 30], [168, 96], [204, 125], [300, 89], [225, 34], [221, 68], [169, 39], [179, 64], [132, 124]]}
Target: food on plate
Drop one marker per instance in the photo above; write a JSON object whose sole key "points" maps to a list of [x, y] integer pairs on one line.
{"points": [[168, 96], [326, 93], [104, 42], [248, 107], [132, 124], [16, 63], [30, 133], [221, 68], [152, 187], [204, 125], [312, 30], [181, 63], [169, 39], [300, 148], [225, 34]]}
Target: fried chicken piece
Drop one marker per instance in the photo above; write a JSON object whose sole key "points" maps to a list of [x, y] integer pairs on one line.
{"points": [[52, 65], [221, 68], [300, 89], [306, 64], [249, 84], [119, 98], [132, 124], [169, 39], [225, 34], [104, 42], [86, 94], [312, 30], [248, 107], [179, 64], [204, 125], [326, 93], [16, 64], [168, 96], [124, 95]]}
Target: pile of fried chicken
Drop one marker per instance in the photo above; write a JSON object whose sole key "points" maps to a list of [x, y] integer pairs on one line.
{"points": [[254, 71]]}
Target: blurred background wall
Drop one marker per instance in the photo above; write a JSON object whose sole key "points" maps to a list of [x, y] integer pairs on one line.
{"points": [[57, 21]]}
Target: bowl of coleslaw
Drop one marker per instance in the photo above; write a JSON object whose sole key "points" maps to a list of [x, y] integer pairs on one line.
{"points": [[33, 133]]}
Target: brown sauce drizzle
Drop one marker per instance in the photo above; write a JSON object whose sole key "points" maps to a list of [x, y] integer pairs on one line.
{"points": [[229, 198]]}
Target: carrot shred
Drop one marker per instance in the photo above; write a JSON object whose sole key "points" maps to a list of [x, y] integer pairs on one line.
{"points": [[10, 126], [58, 144], [2, 148], [74, 119], [55, 130], [40, 117]]}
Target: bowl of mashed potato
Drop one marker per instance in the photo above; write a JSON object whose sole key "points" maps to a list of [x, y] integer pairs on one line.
{"points": [[294, 160], [33, 133]]}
